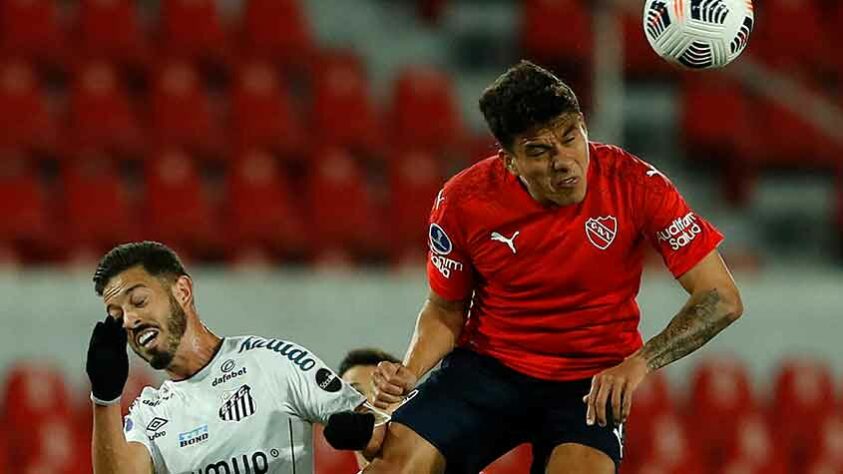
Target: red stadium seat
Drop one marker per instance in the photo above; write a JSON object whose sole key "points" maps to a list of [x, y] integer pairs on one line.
{"points": [[424, 113], [414, 182], [193, 30], [716, 117], [277, 31], [804, 146], [328, 460], [804, 390], [517, 461], [556, 30], [829, 454], [671, 450], [26, 222], [720, 395], [352, 226], [557, 35], [93, 179], [111, 30], [38, 413], [190, 225], [262, 112], [101, 114], [754, 450], [777, 42], [31, 29], [342, 110], [25, 120], [261, 212], [652, 400], [181, 112]]}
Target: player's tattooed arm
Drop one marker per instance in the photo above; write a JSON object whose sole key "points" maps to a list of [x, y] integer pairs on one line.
{"points": [[714, 304], [700, 319]]}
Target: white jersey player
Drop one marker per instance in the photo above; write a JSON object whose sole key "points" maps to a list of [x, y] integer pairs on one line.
{"points": [[249, 410], [238, 405]]}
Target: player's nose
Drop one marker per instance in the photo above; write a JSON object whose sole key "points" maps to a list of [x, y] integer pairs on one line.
{"points": [[130, 320]]}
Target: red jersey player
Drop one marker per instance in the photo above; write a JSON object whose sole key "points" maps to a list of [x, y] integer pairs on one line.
{"points": [[535, 263]]}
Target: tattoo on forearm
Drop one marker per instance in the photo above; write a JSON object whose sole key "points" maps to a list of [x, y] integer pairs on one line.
{"points": [[696, 324]]}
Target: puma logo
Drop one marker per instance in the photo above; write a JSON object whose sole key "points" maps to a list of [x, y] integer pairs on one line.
{"points": [[510, 242], [653, 172]]}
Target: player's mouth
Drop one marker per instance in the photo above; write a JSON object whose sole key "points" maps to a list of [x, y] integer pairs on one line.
{"points": [[146, 338], [566, 183]]}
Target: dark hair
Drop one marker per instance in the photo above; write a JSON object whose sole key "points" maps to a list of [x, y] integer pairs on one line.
{"points": [[366, 356], [156, 258], [522, 98]]}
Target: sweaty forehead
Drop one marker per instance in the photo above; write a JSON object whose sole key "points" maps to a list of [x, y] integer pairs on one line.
{"points": [[123, 281], [550, 129]]}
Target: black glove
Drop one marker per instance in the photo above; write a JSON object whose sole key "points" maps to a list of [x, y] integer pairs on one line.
{"points": [[349, 430], [108, 362]]}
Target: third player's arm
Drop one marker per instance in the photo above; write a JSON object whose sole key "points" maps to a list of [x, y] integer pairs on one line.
{"points": [[714, 304], [112, 454]]}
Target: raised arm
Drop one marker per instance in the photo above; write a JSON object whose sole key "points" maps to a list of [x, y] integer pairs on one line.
{"points": [[108, 368]]}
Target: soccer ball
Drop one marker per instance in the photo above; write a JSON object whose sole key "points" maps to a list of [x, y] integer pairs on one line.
{"points": [[698, 34]]}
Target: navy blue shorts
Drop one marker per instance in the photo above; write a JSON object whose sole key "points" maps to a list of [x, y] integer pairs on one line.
{"points": [[474, 410]]}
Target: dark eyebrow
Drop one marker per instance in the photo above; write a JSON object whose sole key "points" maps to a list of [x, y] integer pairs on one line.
{"points": [[125, 292]]}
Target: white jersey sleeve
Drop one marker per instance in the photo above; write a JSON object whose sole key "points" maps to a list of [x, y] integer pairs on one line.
{"points": [[135, 426], [308, 387]]}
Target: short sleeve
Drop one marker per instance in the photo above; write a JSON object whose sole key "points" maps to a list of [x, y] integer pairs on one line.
{"points": [[314, 392], [679, 234], [449, 271], [134, 428]]}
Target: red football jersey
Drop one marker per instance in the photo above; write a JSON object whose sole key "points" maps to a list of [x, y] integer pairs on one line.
{"points": [[553, 289]]}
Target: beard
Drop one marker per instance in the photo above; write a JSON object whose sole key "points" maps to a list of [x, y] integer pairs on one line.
{"points": [[160, 359]]}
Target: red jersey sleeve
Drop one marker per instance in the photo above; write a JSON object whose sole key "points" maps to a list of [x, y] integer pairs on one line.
{"points": [[449, 271], [680, 235]]}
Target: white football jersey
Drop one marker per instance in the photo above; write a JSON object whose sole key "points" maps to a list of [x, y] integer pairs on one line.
{"points": [[248, 411]]}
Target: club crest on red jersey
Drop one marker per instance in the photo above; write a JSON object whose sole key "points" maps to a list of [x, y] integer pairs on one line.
{"points": [[601, 231]]}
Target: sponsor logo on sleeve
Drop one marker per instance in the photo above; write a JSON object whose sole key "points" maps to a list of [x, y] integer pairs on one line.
{"points": [[445, 265], [154, 427], [681, 231], [327, 381], [193, 437], [440, 243], [227, 366]]}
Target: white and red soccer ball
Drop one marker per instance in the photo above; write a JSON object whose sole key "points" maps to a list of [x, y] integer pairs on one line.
{"points": [[698, 34]]}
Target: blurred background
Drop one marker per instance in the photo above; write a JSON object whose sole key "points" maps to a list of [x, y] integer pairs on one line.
{"points": [[290, 151]]}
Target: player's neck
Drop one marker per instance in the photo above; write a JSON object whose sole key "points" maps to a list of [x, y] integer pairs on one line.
{"points": [[198, 346]]}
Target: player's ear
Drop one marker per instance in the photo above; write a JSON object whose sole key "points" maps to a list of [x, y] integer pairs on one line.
{"points": [[508, 160], [583, 125], [183, 290]]}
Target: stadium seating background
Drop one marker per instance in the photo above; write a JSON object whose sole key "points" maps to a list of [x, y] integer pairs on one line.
{"points": [[311, 137]]}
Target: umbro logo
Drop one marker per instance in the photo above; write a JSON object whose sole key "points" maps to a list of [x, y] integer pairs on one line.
{"points": [[240, 405], [510, 242]]}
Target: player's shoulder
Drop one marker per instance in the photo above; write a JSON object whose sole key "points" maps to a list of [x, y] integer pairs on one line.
{"points": [[477, 181], [150, 398], [292, 354], [616, 163]]}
